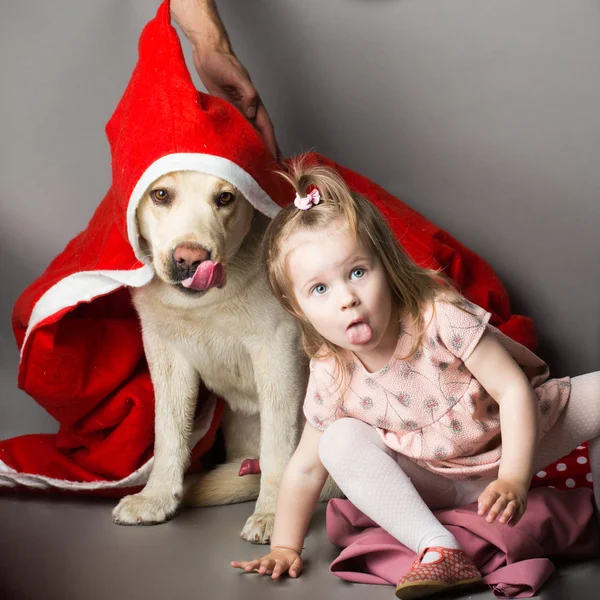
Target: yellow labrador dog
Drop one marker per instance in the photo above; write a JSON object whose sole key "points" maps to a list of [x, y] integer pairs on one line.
{"points": [[209, 315]]}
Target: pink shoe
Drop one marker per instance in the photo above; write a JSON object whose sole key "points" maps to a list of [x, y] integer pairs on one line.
{"points": [[452, 570]]}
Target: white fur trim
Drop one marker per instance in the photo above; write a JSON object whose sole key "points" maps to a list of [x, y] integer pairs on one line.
{"points": [[83, 287], [11, 478], [87, 285], [203, 163]]}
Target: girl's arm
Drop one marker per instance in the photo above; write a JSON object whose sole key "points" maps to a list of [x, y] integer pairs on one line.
{"points": [[299, 492], [301, 484], [506, 383]]}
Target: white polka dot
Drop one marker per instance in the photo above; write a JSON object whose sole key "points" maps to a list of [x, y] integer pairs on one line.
{"points": [[551, 486], [589, 477], [581, 460], [580, 447], [561, 467], [570, 483], [541, 474]]}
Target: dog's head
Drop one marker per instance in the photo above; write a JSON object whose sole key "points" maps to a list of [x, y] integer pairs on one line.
{"points": [[189, 222]]}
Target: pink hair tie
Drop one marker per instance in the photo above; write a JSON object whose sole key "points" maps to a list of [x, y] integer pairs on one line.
{"points": [[313, 197]]}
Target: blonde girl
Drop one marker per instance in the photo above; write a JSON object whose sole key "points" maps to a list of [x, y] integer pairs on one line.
{"points": [[414, 402]]}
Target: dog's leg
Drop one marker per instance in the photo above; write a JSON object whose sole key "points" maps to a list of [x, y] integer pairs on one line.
{"points": [[242, 434], [176, 385], [223, 485], [280, 375]]}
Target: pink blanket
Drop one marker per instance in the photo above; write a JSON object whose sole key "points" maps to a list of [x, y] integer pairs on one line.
{"points": [[515, 561]]}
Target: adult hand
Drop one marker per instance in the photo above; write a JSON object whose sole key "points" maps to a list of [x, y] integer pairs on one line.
{"points": [[224, 76], [276, 563], [221, 72], [506, 497]]}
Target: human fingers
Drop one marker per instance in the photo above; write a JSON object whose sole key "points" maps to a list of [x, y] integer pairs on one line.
{"points": [[296, 568], [266, 566], [264, 125], [224, 76], [519, 512], [497, 508], [252, 565], [486, 501], [246, 565], [246, 98], [509, 513], [281, 567]]}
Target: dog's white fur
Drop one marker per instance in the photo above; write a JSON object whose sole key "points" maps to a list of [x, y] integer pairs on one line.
{"points": [[236, 339]]}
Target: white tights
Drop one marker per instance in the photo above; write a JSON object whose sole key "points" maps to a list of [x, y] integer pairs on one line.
{"points": [[398, 494]]}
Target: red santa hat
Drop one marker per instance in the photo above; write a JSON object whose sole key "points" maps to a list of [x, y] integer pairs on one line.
{"points": [[162, 124], [81, 350], [81, 353]]}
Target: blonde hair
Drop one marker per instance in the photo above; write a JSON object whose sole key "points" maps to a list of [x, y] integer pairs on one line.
{"points": [[412, 287]]}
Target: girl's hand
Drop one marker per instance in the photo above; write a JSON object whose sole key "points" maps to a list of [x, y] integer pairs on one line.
{"points": [[504, 497], [276, 563]]}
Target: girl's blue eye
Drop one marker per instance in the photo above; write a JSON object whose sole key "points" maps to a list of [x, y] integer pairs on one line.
{"points": [[319, 289], [358, 273]]}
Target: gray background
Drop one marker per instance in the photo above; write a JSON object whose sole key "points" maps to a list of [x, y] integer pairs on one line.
{"points": [[481, 114]]}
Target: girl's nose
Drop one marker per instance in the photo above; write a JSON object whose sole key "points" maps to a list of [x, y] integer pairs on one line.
{"points": [[348, 299]]}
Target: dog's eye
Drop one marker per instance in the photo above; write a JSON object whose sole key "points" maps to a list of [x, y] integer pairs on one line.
{"points": [[225, 198], [160, 196]]}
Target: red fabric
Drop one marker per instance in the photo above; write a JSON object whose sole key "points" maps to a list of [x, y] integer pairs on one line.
{"points": [[85, 365], [162, 113], [514, 561], [567, 473], [82, 359], [83, 362]]}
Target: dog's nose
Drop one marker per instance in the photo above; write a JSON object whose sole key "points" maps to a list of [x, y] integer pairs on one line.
{"points": [[188, 256]]}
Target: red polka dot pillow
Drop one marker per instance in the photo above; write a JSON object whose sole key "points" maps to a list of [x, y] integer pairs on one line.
{"points": [[572, 471]]}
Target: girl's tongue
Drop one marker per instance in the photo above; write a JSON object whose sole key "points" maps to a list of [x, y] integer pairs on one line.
{"points": [[359, 333], [208, 274]]}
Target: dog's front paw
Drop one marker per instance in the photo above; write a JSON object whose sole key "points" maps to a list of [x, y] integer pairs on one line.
{"points": [[144, 509], [259, 528]]}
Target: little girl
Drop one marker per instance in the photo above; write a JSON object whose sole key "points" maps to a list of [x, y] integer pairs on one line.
{"points": [[414, 402]]}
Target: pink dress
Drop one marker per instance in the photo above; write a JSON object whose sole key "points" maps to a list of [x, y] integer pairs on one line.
{"points": [[430, 408]]}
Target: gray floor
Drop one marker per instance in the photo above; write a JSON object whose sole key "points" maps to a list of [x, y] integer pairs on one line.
{"points": [[68, 549], [59, 548], [481, 134]]}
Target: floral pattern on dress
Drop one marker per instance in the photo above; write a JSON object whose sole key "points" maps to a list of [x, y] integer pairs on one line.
{"points": [[428, 406]]}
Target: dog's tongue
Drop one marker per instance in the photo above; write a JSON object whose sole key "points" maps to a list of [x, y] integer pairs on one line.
{"points": [[209, 274], [360, 333]]}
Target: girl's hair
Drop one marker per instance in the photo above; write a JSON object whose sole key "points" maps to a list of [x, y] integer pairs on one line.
{"points": [[412, 287]]}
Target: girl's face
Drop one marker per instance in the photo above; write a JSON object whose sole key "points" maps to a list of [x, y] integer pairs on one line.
{"points": [[341, 288]]}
